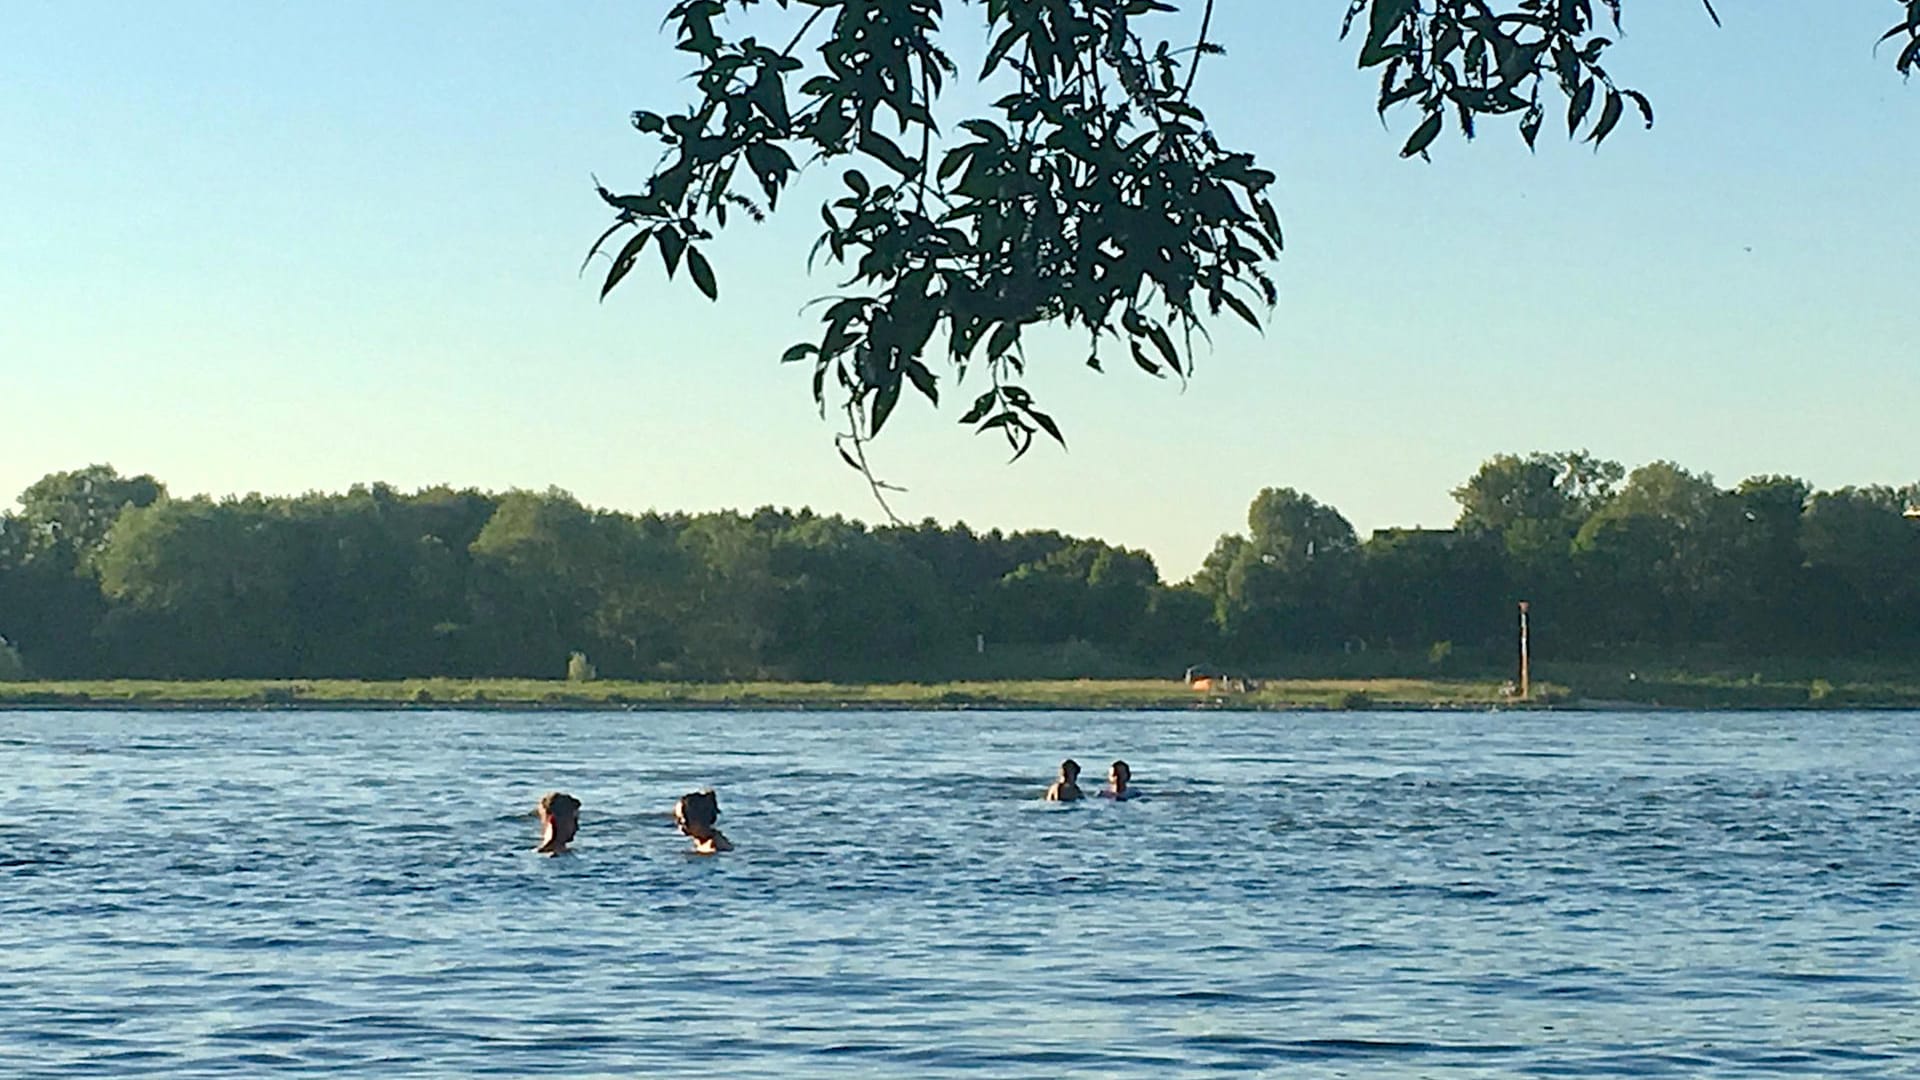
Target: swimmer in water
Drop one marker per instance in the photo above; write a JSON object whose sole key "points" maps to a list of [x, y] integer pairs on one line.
{"points": [[560, 815], [696, 813], [1118, 778], [1067, 788]]}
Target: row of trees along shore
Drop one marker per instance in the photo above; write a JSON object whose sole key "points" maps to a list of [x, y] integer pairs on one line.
{"points": [[104, 575]]}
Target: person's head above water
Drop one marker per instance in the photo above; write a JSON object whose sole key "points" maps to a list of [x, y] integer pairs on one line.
{"points": [[696, 813], [1067, 788], [1118, 777], [560, 817]]}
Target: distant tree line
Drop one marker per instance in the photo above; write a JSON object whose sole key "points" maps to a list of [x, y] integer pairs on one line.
{"points": [[107, 575]]}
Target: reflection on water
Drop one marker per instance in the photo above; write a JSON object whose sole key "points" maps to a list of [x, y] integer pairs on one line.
{"points": [[1387, 895]]}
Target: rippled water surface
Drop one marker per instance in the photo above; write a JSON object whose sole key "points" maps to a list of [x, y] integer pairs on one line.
{"points": [[1308, 895]]}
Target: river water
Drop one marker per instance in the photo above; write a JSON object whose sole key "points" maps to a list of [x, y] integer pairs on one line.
{"points": [[1296, 894]]}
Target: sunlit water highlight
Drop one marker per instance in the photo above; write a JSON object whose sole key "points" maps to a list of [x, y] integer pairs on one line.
{"points": [[1308, 895]]}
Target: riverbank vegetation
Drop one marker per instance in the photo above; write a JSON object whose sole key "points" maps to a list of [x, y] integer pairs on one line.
{"points": [[1655, 586], [1576, 686], [611, 694]]}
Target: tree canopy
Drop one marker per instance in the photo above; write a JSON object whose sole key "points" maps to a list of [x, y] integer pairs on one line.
{"points": [[1091, 193], [376, 583]]}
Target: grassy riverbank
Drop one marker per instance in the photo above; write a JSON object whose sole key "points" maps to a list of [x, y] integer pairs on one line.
{"points": [[611, 694], [1584, 685]]}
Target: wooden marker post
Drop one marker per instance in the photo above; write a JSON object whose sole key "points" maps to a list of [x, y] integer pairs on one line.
{"points": [[1526, 691]]}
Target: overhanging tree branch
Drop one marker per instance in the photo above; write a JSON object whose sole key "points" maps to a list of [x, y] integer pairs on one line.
{"points": [[1093, 194]]}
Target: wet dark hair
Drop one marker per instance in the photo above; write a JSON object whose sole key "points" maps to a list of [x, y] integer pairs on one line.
{"points": [[1070, 768], [699, 807], [1121, 767], [563, 810], [559, 804]]}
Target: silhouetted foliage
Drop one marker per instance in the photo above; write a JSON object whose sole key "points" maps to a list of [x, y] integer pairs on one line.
{"points": [[1090, 191]]}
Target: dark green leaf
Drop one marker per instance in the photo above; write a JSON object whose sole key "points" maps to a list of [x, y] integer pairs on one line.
{"points": [[1609, 117], [986, 129], [884, 399], [1578, 107], [623, 262], [953, 161], [1423, 136], [1001, 47], [770, 97], [1004, 337], [702, 273], [889, 154], [1241, 309], [1270, 220], [1646, 107], [1530, 124], [770, 165], [1164, 343], [595, 249], [981, 406], [1387, 16], [672, 244], [924, 380], [1047, 425], [1140, 359]]}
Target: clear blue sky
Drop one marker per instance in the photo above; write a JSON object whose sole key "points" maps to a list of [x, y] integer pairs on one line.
{"points": [[291, 247]]}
